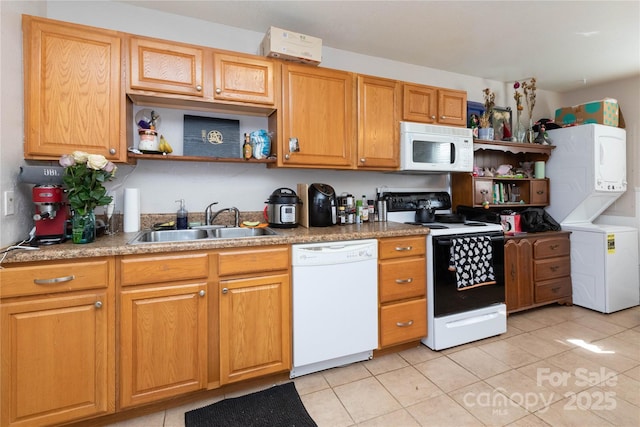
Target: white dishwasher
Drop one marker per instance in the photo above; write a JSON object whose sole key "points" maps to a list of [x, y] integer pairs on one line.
{"points": [[335, 304]]}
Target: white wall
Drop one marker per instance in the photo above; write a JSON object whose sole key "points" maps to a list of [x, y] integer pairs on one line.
{"points": [[246, 186]]}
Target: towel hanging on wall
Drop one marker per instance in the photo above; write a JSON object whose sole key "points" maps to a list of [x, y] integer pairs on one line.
{"points": [[472, 260]]}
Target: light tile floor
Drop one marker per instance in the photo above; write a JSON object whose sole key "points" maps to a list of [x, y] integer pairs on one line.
{"points": [[555, 366]]}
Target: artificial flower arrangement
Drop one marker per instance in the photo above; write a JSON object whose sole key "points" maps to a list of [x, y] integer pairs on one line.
{"points": [[529, 89], [489, 103], [84, 175]]}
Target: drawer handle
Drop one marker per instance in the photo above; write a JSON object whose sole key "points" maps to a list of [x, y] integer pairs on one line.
{"points": [[556, 289], [554, 268], [539, 192], [54, 280], [404, 324], [553, 247], [405, 248], [404, 281]]}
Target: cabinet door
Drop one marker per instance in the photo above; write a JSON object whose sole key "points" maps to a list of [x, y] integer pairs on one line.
{"points": [[162, 66], [519, 286], [255, 327], [452, 107], [243, 79], [378, 125], [74, 90], [56, 363], [163, 342], [540, 192], [420, 103], [318, 108]]}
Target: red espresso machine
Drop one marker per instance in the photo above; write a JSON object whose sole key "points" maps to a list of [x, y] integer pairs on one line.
{"points": [[51, 215]]}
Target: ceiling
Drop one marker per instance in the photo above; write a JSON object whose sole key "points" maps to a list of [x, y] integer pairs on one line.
{"points": [[565, 45]]}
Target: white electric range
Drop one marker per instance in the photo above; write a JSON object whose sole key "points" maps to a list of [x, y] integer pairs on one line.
{"points": [[456, 313]]}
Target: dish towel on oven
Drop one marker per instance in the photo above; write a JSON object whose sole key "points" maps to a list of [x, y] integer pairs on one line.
{"points": [[472, 260]]}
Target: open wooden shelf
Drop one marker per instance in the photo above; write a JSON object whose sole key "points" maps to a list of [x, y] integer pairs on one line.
{"points": [[512, 147], [197, 158]]}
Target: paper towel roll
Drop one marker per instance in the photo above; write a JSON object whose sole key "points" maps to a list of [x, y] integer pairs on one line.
{"points": [[131, 210], [539, 170]]}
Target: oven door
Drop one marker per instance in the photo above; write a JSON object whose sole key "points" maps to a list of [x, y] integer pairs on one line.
{"points": [[447, 298]]}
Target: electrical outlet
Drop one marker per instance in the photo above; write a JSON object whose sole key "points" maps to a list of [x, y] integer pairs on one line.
{"points": [[9, 203]]}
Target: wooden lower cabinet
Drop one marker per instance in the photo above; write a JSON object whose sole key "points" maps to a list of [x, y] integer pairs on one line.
{"points": [[537, 270], [402, 290], [57, 343], [163, 326], [255, 312]]}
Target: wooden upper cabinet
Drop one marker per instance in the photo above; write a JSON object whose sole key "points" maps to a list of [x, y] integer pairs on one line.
{"points": [[378, 124], [244, 79], [167, 67], [318, 118], [427, 104], [74, 90]]}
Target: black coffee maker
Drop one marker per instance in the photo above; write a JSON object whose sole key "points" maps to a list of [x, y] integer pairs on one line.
{"points": [[322, 205]]}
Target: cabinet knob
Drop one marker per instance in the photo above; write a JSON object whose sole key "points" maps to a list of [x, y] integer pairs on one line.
{"points": [[112, 151], [218, 90], [287, 156], [199, 88], [362, 160], [443, 117], [433, 117], [202, 293], [225, 290], [98, 304]]}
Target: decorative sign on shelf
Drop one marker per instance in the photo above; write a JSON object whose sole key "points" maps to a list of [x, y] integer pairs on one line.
{"points": [[211, 137]]}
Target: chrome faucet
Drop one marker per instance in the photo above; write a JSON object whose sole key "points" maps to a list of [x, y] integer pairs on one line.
{"points": [[207, 213], [236, 222]]}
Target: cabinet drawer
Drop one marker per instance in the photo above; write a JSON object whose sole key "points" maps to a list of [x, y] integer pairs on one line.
{"points": [[482, 191], [551, 268], [403, 322], [401, 247], [551, 247], [54, 277], [550, 290], [402, 279], [139, 270], [539, 192], [253, 260]]}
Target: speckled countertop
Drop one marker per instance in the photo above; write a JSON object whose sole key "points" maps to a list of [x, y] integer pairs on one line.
{"points": [[118, 244]]}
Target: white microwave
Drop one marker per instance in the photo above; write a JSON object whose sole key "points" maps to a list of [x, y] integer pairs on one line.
{"points": [[429, 148]]}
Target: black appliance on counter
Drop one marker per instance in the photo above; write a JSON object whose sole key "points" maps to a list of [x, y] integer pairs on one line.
{"points": [[282, 208], [322, 205]]}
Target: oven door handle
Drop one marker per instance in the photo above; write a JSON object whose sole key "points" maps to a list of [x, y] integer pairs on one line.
{"points": [[448, 242]]}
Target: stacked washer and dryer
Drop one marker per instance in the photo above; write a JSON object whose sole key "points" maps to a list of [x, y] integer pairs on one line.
{"points": [[588, 173]]}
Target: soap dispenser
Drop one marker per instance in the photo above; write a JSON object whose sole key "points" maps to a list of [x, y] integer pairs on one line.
{"points": [[182, 216]]}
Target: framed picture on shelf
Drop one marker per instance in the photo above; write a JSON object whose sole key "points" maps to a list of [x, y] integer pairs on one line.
{"points": [[502, 126]]}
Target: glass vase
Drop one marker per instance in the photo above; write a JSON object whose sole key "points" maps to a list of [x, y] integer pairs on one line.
{"points": [[83, 227], [530, 133], [518, 129]]}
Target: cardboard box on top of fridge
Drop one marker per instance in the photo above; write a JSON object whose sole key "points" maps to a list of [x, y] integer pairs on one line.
{"points": [[284, 44], [604, 112]]}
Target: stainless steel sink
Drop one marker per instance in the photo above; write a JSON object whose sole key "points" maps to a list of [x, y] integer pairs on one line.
{"points": [[234, 232], [199, 233], [151, 236]]}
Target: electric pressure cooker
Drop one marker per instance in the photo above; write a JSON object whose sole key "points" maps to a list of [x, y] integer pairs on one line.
{"points": [[282, 208]]}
